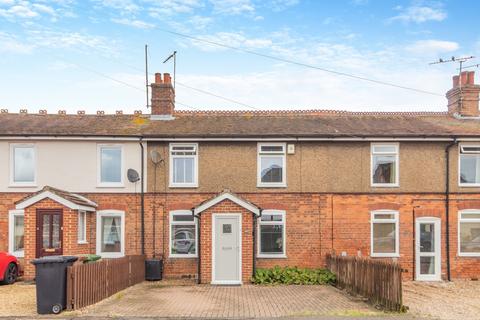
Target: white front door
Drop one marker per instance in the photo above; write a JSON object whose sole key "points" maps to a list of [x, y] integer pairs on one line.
{"points": [[428, 262], [226, 247]]}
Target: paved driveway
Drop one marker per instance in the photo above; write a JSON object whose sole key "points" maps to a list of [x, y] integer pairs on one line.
{"points": [[248, 301], [443, 300]]}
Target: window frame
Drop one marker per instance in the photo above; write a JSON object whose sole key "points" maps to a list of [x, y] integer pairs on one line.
{"points": [[171, 223], [460, 220], [173, 184], [100, 183], [84, 231], [396, 145], [283, 213], [460, 152], [13, 183], [11, 237], [110, 213], [395, 220], [261, 184]]}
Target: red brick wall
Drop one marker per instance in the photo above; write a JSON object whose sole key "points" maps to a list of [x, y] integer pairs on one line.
{"points": [[309, 228]]}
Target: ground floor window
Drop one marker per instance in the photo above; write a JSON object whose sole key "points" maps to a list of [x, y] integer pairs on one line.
{"points": [[183, 234], [111, 233], [82, 226], [16, 232], [384, 233], [271, 230], [469, 233]]}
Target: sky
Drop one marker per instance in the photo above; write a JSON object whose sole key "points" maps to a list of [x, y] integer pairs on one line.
{"points": [[89, 54]]}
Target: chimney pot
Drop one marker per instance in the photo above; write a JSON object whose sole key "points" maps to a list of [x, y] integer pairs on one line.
{"points": [[158, 77], [167, 78]]}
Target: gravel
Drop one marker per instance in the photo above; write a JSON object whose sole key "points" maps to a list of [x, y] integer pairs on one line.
{"points": [[18, 300]]}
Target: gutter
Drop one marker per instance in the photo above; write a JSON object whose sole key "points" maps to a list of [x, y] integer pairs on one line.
{"points": [[447, 202]]}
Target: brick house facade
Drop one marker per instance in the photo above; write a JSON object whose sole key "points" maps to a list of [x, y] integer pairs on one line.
{"points": [[324, 199]]}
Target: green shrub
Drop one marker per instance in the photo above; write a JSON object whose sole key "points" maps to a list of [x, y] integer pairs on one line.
{"points": [[293, 275]]}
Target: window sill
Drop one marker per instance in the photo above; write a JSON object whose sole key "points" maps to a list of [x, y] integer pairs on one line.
{"points": [[184, 186], [18, 254], [82, 242], [111, 256], [112, 185], [469, 185], [469, 255], [386, 185], [20, 185], [271, 256], [385, 255], [180, 256], [263, 185]]}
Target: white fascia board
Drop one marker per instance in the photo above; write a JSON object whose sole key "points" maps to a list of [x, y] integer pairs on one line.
{"points": [[230, 197], [47, 194]]}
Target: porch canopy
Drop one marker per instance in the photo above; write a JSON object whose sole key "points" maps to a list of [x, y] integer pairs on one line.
{"points": [[71, 200], [224, 195]]}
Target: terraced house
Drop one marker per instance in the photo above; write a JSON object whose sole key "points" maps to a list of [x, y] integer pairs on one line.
{"points": [[222, 193]]}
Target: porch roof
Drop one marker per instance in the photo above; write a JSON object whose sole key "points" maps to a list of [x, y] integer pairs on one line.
{"points": [[71, 200], [227, 194]]}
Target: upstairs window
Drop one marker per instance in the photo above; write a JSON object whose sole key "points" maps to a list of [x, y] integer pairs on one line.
{"points": [[271, 229], [469, 166], [271, 160], [384, 233], [469, 233], [385, 170], [23, 165], [110, 165], [183, 165]]}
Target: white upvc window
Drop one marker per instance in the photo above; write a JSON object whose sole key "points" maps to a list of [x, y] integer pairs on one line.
{"points": [[16, 231], [183, 165], [384, 234], [110, 165], [111, 233], [23, 165], [271, 165], [385, 171], [271, 234], [469, 233], [469, 166], [183, 234], [82, 227]]}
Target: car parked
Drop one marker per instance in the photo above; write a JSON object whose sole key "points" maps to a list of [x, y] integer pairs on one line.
{"points": [[9, 268]]}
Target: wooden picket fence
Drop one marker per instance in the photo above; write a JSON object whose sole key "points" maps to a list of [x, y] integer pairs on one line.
{"points": [[377, 280], [92, 282]]}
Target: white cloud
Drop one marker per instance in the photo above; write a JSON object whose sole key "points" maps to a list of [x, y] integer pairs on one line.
{"points": [[134, 23], [125, 6], [200, 22], [419, 14], [18, 11], [280, 5], [160, 9], [233, 7], [429, 47], [11, 44], [230, 39]]}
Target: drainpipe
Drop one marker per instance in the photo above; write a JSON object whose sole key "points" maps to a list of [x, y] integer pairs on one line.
{"points": [[254, 235], [447, 201], [199, 236], [142, 198]]}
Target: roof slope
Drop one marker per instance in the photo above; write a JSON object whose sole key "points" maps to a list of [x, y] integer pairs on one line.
{"points": [[312, 123]]}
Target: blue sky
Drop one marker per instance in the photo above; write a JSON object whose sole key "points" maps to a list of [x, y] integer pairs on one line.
{"points": [[73, 54]]}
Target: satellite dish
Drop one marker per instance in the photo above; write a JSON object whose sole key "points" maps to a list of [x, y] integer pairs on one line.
{"points": [[132, 175], [155, 157]]}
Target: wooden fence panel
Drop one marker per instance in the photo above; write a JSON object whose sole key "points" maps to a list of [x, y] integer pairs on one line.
{"points": [[378, 281], [92, 282]]}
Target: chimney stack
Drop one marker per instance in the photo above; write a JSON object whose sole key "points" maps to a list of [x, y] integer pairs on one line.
{"points": [[163, 96], [463, 97]]}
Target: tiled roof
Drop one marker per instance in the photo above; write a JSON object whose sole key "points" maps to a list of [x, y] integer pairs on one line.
{"points": [[72, 197], [241, 124]]}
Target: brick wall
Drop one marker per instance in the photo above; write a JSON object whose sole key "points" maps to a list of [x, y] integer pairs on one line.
{"points": [[316, 224]]}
